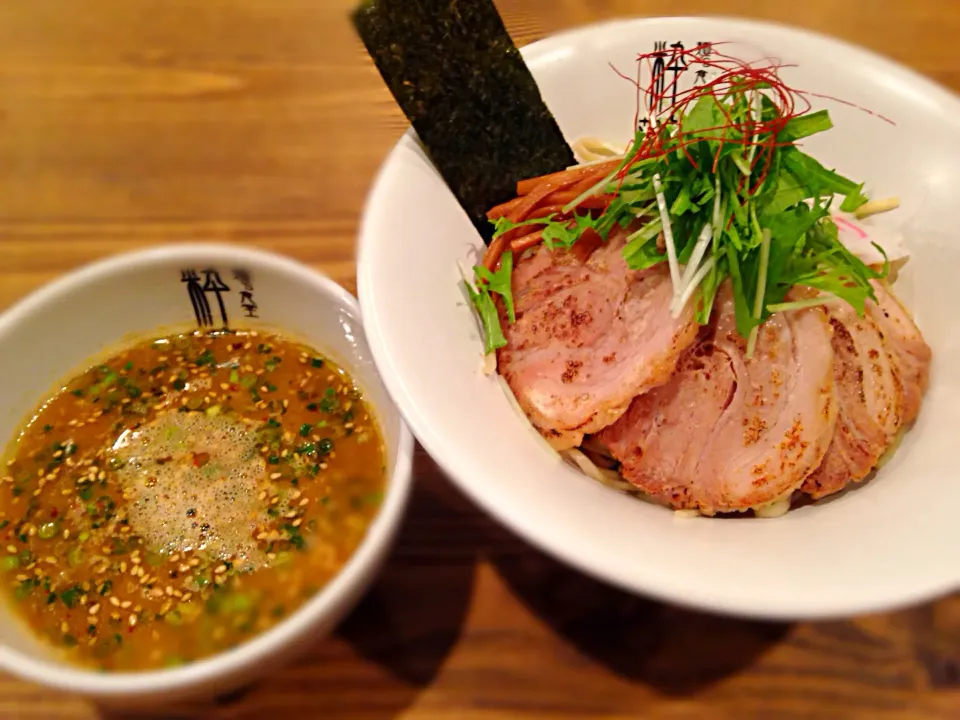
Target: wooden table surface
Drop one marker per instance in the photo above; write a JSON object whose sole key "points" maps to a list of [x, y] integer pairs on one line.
{"points": [[125, 123]]}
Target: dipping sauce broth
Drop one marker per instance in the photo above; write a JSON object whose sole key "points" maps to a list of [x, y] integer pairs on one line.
{"points": [[185, 495]]}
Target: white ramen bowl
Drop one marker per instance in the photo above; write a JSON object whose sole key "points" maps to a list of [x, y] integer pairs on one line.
{"points": [[60, 328], [888, 543]]}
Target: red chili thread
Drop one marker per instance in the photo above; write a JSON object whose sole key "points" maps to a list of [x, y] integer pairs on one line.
{"points": [[733, 76]]}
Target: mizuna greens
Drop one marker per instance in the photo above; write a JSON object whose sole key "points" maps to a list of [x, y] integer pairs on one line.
{"points": [[722, 190]]}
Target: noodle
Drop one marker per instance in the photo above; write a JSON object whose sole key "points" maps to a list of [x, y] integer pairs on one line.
{"points": [[489, 366], [775, 509], [593, 151], [519, 410], [610, 478]]}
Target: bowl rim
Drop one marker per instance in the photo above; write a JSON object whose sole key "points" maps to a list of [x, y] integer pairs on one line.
{"points": [[351, 578], [430, 436]]}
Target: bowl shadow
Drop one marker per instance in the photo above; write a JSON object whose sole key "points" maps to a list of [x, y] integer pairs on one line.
{"points": [[394, 642], [672, 650]]}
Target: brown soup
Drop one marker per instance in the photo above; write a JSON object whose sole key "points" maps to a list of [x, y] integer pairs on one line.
{"points": [[184, 496]]}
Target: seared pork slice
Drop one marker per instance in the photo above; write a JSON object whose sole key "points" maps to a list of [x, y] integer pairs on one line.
{"points": [[729, 433], [904, 341], [588, 338], [869, 400]]}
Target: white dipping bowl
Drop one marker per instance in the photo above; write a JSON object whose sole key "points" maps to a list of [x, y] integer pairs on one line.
{"points": [[59, 329], [892, 542]]}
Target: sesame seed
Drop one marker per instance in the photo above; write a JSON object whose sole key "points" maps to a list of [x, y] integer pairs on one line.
{"points": [[94, 609], [125, 604], [133, 620], [276, 476], [304, 501], [220, 569], [115, 602]]}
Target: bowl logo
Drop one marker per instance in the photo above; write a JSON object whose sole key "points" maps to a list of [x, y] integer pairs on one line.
{"points": [[671, 65], [206, 290]]}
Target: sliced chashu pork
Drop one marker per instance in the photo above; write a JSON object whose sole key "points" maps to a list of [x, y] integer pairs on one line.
{"points": [[869, 401], [906, 345], [588, 338], [880, 370], [729, 433]]}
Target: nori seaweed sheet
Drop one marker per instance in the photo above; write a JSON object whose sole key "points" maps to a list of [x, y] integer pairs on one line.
{"points": [[459, 78]]}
